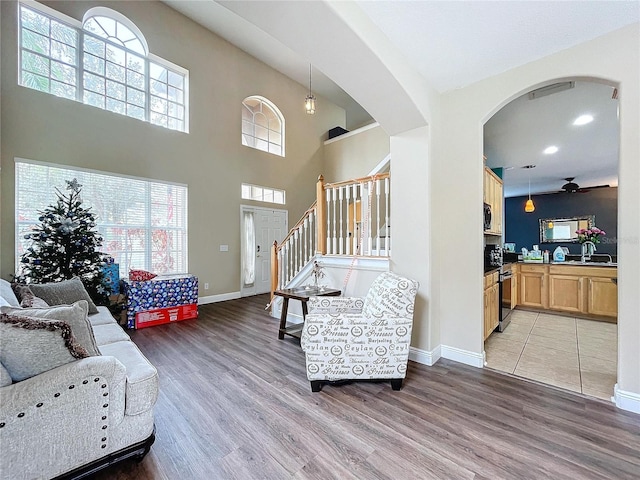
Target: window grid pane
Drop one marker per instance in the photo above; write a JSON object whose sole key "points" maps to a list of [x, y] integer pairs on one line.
{"points": [[262, 126], [262, 194], [143, 223], [49, 63]]}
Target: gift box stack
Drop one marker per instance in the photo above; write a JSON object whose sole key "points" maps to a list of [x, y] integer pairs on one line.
{"points": [[163, 299]]}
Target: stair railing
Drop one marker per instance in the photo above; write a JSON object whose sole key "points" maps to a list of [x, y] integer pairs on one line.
{"points": [[347, 218]]}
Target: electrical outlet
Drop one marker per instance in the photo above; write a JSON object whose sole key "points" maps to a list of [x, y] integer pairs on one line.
{"points": [[206, 286]]}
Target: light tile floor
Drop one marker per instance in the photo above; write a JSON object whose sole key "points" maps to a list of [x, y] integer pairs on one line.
{"points": [[567, 352]]}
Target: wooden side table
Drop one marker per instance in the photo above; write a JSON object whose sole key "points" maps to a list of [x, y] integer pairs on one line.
{"points": [[303, 294]]}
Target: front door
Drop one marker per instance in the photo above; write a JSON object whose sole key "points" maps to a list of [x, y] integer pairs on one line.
{"points": [[265, 226]]}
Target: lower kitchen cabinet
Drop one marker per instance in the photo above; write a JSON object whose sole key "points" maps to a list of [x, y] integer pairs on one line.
{"points": [[533, 288], [575, 289], [491, 304], [602, 297], [566, 293]]}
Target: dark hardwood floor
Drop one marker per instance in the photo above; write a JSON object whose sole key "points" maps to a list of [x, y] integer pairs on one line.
{"points": [[235, 403]]}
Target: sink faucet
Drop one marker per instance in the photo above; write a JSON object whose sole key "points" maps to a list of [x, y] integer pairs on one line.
{"points": [[585, 253]]}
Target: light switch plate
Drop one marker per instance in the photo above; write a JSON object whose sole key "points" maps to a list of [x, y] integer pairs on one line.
{"points": [[224, 248]]}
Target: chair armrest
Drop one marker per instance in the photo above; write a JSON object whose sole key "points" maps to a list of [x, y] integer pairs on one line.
{"points": [[335, 305]]}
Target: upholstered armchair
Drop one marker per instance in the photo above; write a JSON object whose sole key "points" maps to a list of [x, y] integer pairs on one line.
{"points": [[348, 338]]}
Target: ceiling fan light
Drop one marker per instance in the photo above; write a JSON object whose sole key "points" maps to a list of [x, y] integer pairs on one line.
{"points": [[529, 206]]}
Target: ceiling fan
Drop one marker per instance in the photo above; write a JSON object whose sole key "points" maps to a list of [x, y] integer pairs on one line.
{"points": [[572, 187]]}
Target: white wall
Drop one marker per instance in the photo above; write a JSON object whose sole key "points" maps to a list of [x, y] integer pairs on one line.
{"points": [[458, 191]]}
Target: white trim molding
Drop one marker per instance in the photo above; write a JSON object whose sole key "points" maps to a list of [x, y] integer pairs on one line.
{"points": [[218, 298], [462, 356], [629, 401], [424, 357], [352, 133]]}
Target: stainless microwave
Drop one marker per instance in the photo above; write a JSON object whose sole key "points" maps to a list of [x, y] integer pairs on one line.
{"points": [[487, 216]]}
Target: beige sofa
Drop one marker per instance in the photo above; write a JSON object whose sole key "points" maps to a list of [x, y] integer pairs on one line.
{"points": [[80, 416]]}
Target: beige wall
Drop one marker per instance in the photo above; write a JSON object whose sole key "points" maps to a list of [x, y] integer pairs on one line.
{"points": [[355, 154], [210, 159]]}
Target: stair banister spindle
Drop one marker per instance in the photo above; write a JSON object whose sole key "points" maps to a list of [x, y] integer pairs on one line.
{"points": [[369, 222], [386, 219], [378, 217], [357, 225], [341, 206], [334, 238], [347, 241]]}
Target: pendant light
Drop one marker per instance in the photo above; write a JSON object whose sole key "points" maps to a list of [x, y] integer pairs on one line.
{"points": [[529, 206], [310, 100]]}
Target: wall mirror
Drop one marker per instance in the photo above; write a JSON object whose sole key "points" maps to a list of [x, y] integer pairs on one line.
{"points": [[561, 230]]}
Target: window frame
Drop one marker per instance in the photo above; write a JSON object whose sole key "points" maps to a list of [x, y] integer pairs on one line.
{"points": [[264, 189], [149, 58], [102, 226], [276, 111]]}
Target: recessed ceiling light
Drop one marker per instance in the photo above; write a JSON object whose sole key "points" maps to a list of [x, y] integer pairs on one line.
{"points": [[551, 149], [583, 120]]}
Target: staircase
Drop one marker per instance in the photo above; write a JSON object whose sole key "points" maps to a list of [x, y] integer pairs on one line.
{"points": [[348, 219]]}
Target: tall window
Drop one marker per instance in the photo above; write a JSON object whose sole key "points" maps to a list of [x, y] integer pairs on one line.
{"points": [[262, 125], [143, 222], [104, 62]]}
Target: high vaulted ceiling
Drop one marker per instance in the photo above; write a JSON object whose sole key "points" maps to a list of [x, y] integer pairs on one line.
{"points": [[450, 44]]}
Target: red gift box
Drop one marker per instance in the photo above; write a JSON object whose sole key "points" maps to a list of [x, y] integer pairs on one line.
{"points": [[150, 318]]}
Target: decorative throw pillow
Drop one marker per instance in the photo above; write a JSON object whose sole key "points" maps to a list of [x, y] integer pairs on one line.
{"points": [[63, 293], [28, 299], [75, 315], [30, 346], [6, 292], [140, 275]]}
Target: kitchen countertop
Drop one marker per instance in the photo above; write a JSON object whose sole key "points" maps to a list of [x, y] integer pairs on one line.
{"points": [[573, 263]]}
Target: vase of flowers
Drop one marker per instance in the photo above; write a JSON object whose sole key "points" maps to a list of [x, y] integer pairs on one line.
{"points": [[317, 273], [592, 235]]}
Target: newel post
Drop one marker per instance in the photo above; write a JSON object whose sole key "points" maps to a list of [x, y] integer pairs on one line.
{"points": [[274, 267], [321, 213]]}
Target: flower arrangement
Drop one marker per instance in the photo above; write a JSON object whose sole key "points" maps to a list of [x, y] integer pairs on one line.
{"points": [[590, 234]]}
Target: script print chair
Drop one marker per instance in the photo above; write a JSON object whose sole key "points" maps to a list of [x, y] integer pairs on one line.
{"points": [[349, 338]]}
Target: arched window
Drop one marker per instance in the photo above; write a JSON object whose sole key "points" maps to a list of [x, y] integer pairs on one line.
{"points": [[262, 125], [103, 61], [117, 28]]}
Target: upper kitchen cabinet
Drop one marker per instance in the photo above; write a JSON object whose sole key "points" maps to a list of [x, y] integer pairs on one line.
{"points": [[493, 196]]}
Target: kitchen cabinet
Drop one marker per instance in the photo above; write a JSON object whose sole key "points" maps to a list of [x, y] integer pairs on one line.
{"points": [[602, 297], [533, 286], [493, 195], [577, 289], [491, 303]]}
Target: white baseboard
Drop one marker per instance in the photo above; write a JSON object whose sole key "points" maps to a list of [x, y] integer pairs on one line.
{"points": [[424, 357], [462, 356], [629, 401], [218, 298]]}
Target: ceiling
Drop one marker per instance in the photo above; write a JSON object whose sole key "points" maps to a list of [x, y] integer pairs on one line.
{"points": [[452, 44], [518, 134]]}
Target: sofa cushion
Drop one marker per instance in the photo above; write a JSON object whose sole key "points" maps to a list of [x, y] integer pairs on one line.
{"points": [[28, 299], [142, 377], [30, 346], [65, 292], [103, 317], [75, 315], [5, 378], [6, 292], [109, 333]]}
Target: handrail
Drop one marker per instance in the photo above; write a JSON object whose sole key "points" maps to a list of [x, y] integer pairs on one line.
{"points": [[377, 176], [298, 223]]}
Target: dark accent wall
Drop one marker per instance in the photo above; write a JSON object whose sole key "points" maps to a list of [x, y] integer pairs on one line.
{"points": [[524, 228]]}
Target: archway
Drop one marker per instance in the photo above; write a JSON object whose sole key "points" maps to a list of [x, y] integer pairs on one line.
{"points": [[552, 334]]}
